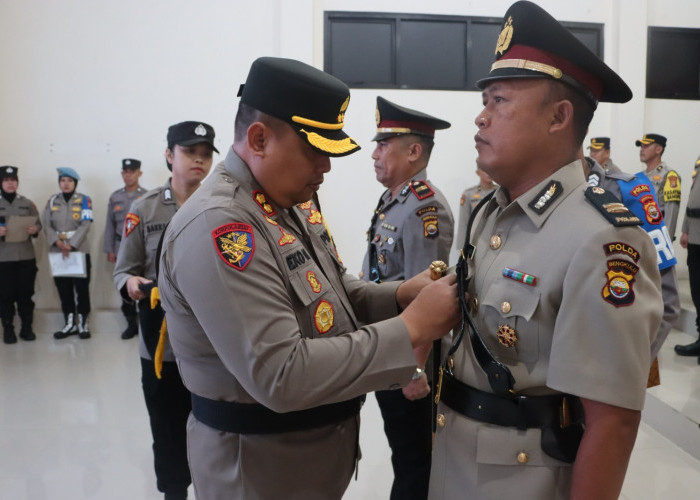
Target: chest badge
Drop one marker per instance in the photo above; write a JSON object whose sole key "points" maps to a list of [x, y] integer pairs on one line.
{"points": [[235, 244], [323, 317], [313, 281], [507, 336]]}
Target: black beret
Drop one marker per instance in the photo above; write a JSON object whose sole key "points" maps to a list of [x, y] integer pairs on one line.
{"points": [[533, 44], [393, 120], [312, 102]]}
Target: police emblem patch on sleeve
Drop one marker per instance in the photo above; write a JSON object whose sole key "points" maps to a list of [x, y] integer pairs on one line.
{"points": [[132, 220], [235, 244], [618, 287]]}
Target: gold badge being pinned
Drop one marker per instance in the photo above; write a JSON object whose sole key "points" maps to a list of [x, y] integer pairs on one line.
{"points": [[507, 336], [505, 37], [323, 317]]}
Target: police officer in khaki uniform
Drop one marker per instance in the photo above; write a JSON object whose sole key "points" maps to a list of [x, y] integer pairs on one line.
{"points": [[470, 198], [564, 290], [117, 208], [690, 239], [599, 149], [17, 259], [189, 157], [264, 321], [411, 227], [667, 182], [67, 219]]}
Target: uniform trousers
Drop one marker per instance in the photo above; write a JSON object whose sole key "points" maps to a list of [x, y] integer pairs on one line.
{"points": [[407, 425], [17, 286], [128, 308], [69, 288], [694, 278], [168, 403]]}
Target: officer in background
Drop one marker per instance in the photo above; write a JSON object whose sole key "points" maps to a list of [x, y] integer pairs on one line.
{"points": [[189, 157], [667, 182], [67, 220], [266, 324], [637, 194], [411, 227], [564, 290], [690, 239], [17, 259], [599, 149], [117, 208], [470, 198]]}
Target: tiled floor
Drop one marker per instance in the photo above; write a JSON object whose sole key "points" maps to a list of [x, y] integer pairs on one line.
{"points": [[73, 426]]}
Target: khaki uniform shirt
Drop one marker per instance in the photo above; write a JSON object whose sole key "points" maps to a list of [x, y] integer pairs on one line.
{"points": [[143, 226], [691, 225], [468, 201], [667, 184], [119, 203], [579, 330], [261, 310], [410, 231], [69, 220], [21, 250]]}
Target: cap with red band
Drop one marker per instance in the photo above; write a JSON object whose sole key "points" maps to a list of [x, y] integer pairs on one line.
{"points": [[393, 120], [533, 44]]}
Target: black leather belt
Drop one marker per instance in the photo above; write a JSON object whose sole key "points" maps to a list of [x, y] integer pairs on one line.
{"points": [[252, 418], [518, 411], [692, 212]]}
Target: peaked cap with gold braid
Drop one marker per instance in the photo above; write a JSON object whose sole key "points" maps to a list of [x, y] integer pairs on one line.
{"points": [[393, 120], [311, 101], [533, 44]]}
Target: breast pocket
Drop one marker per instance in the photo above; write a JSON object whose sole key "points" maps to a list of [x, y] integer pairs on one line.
{"points": [[389, 257], [318, 313], [508, 308]]}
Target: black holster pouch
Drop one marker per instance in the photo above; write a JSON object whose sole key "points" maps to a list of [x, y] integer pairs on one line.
{"points": [[562, 442]]}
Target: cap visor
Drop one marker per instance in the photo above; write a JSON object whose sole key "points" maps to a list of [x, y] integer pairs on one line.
{"points": [[197, 141]]}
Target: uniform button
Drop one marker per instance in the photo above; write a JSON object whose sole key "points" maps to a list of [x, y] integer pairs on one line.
{"points": [[440, 420], [227, 179], [523, 457], [382, 216], [361, 275], [474, 305], [495, 242], [505, 307]]}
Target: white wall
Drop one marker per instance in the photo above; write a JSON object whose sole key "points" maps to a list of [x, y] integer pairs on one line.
{"points": [[86, 83]]}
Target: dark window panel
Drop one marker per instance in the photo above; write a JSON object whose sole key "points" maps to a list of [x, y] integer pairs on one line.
{"points": [[673, 63]]}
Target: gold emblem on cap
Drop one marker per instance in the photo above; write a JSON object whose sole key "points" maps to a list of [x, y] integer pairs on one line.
{"points": [[507, 336], [505, 37], [343, 108], [377, 117]]}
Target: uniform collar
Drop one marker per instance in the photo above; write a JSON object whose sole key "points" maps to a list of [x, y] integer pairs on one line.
{"points": [[540, 201]]}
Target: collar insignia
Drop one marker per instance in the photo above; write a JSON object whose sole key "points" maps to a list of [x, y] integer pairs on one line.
{"points": [[546, 197], [262, 202]]}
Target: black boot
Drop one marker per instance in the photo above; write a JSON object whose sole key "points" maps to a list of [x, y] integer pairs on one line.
{"points": [[83, 331], [26, 333], [8, 328], [688, 350], [68, 330], [132, 329]]}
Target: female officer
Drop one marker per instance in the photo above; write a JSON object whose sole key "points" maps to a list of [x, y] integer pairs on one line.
{"points": [[67, 219], [17, 260]]}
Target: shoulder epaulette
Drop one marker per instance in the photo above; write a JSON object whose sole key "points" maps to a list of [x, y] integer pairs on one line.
{"points": [[611, 208], [421, 189]]}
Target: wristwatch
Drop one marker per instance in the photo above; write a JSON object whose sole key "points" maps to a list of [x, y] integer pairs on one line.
{"points": [[418, 374]]}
